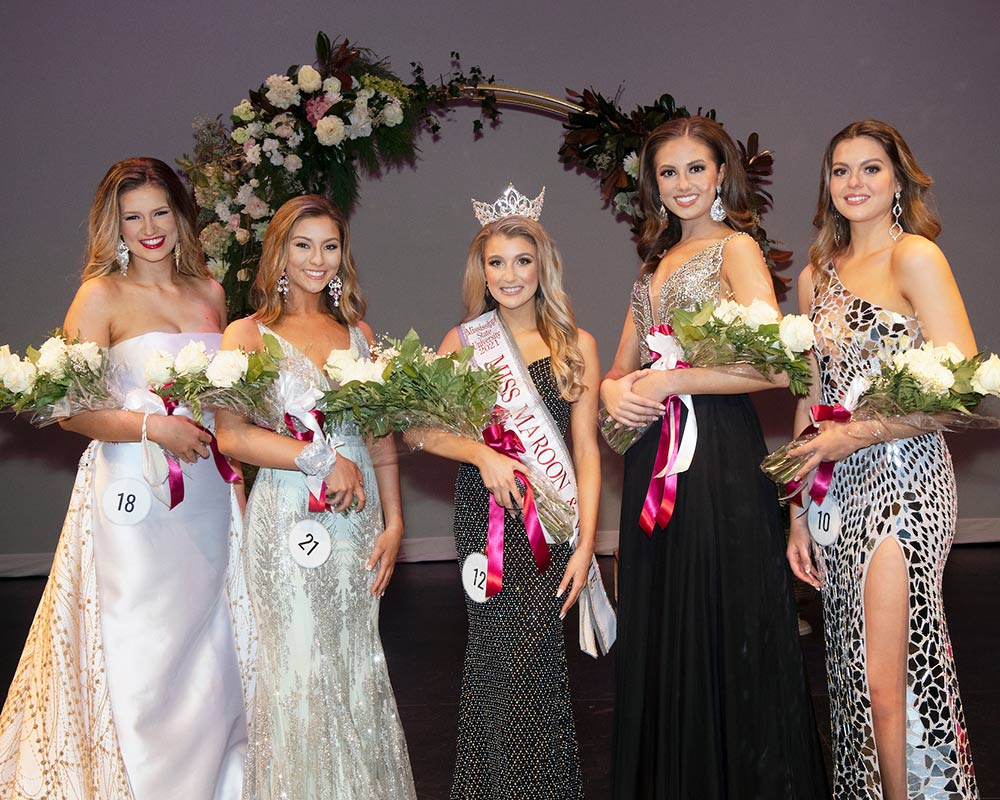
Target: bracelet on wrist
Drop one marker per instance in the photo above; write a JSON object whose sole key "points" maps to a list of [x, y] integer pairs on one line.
{"points": [[316, 458]]}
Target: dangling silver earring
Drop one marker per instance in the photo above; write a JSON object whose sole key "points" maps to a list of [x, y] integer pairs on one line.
{"points": [[122, 254], [896, 230], [718, 211], [662, 212], [177, 256], [836, 228], [336, 289], [282, 285]]}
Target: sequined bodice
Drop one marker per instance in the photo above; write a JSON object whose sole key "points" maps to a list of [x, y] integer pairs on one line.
{"points": [[295, 362], [694, 282], [854, 335]]}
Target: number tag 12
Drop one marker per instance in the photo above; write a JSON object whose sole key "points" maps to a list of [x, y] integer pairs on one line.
{"points": [[309, 543], [126, 501], [824, 521], [474, 577]]}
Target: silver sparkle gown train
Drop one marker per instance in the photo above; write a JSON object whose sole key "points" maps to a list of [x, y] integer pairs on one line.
{"points": [[324, 723]]}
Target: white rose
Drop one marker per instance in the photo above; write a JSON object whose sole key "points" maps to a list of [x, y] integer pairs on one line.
{"points": [[86, 355], [727, 312], [281, 92], [986, 379], [293, 163], [257, 208], [946, 354], [242, 235], [255, 129], [309, 79], [251, 152], [392, 114], [227, 367], [243, 275], [931, 376], [192, 359], [796, 332], [361, 122], [244, 111], [7, 358], [332, 86], [52, 358], [330, 131], [758, 313], [19, 376], [338, 361], [159, 369]]}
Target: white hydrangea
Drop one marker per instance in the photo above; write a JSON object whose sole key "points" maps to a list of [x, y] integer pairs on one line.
{"points": [[796, 332], [251, 152], [281, 92], [392, 114], [222, 209], [227, 367], [192, 359], [296, 139], [759, 313], [631, 165], [52, 357], [218, 268], [244, 111], [19, 376], [159, 369], [986, 379], [259, 229], [330, 131], [255, 129], [86, 355], [214, 240], [727, 312], [309, 79]]}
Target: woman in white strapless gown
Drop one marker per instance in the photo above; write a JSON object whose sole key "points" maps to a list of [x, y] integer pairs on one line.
{"points": [[130, 683]]}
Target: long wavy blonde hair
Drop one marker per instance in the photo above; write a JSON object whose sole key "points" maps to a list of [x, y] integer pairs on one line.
{"points": [[834, 233], [658, 235], [274, 258], [104, 226], [553, 310]]}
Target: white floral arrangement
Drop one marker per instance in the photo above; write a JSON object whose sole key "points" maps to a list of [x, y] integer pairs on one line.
{"points": [[232, 379], [929, 388], [56, 380]]}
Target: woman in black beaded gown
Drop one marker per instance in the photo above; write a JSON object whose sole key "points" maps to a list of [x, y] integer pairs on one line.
{"points": [[711, 699], [517, 738]]}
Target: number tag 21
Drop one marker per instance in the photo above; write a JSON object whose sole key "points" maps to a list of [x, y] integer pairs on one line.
{"points": [[309, 543]]}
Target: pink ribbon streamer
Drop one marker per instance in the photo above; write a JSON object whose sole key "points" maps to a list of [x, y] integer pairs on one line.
{"points": [[824, 472], [315, 503], [661, 496], [508, 443], [175, 478]]}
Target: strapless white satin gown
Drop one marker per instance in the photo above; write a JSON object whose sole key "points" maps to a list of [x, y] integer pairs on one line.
{"points": [[130, 685]]}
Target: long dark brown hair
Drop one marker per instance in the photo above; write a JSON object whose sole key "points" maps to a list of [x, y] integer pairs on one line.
{"points": [[104, 226], [659, 235], [834, 233], [274, 257]]}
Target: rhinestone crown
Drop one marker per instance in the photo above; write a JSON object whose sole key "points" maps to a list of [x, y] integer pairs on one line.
{"points": [[510, 204]]}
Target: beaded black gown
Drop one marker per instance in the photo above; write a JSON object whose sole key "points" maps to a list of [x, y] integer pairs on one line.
{"points": [[711, 699], [516, 734]]}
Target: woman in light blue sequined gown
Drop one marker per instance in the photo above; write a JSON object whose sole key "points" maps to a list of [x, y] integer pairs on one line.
{"points": [[878, 285], [324, 723]]}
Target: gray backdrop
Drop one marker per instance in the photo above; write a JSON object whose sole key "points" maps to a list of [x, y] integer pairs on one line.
{"points": [[88, 84]]}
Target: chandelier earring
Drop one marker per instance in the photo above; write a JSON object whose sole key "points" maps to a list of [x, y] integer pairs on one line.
{"points": [[896, 229], [336, 288], [282, 285], [662, 212], [718, 211], [836, 228], [177, 256], [122, 255]]}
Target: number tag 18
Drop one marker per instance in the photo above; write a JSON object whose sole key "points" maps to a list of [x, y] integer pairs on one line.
{"points": [[126, 501], [309, 543], [824, 521], [474, 577]]}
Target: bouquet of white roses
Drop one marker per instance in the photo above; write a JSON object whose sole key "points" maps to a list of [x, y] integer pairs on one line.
{"points": [[57, 380], [747, 340], [230, 379], [927, 388]]}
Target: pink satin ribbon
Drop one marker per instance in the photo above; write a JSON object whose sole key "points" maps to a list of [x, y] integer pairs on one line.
{"points": [[509, 444], [315, 503], [661, 496], [824, 472]]}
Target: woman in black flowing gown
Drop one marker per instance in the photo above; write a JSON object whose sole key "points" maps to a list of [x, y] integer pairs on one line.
{"points": [[711, 698]]}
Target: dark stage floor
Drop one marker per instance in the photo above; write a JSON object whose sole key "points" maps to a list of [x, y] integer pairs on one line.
{"points": [[423, 628]]}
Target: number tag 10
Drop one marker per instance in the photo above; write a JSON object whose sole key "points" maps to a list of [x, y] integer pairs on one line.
{"points": [[309, 543], [126, 501], [824, 521], [474, 577]]}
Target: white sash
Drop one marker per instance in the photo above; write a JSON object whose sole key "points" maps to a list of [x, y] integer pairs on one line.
{"points": [[545, 452]]}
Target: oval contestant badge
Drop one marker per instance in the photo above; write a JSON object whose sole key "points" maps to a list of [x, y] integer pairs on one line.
{"points": [[309, 543], [824, 521], [474, 577], [126, 501]]}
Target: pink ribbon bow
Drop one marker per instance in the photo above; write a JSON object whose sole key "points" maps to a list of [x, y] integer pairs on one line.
{"points": [[824, 472], [509, 444], [315, 503]]}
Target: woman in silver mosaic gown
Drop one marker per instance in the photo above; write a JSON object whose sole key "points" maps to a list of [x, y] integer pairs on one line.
{"points": [[877, 285], [710, 693], [324, 723]]}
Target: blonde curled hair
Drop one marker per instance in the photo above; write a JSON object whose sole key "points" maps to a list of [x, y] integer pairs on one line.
{"points": [[104, 226], [267, 301], [553, 310]]}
